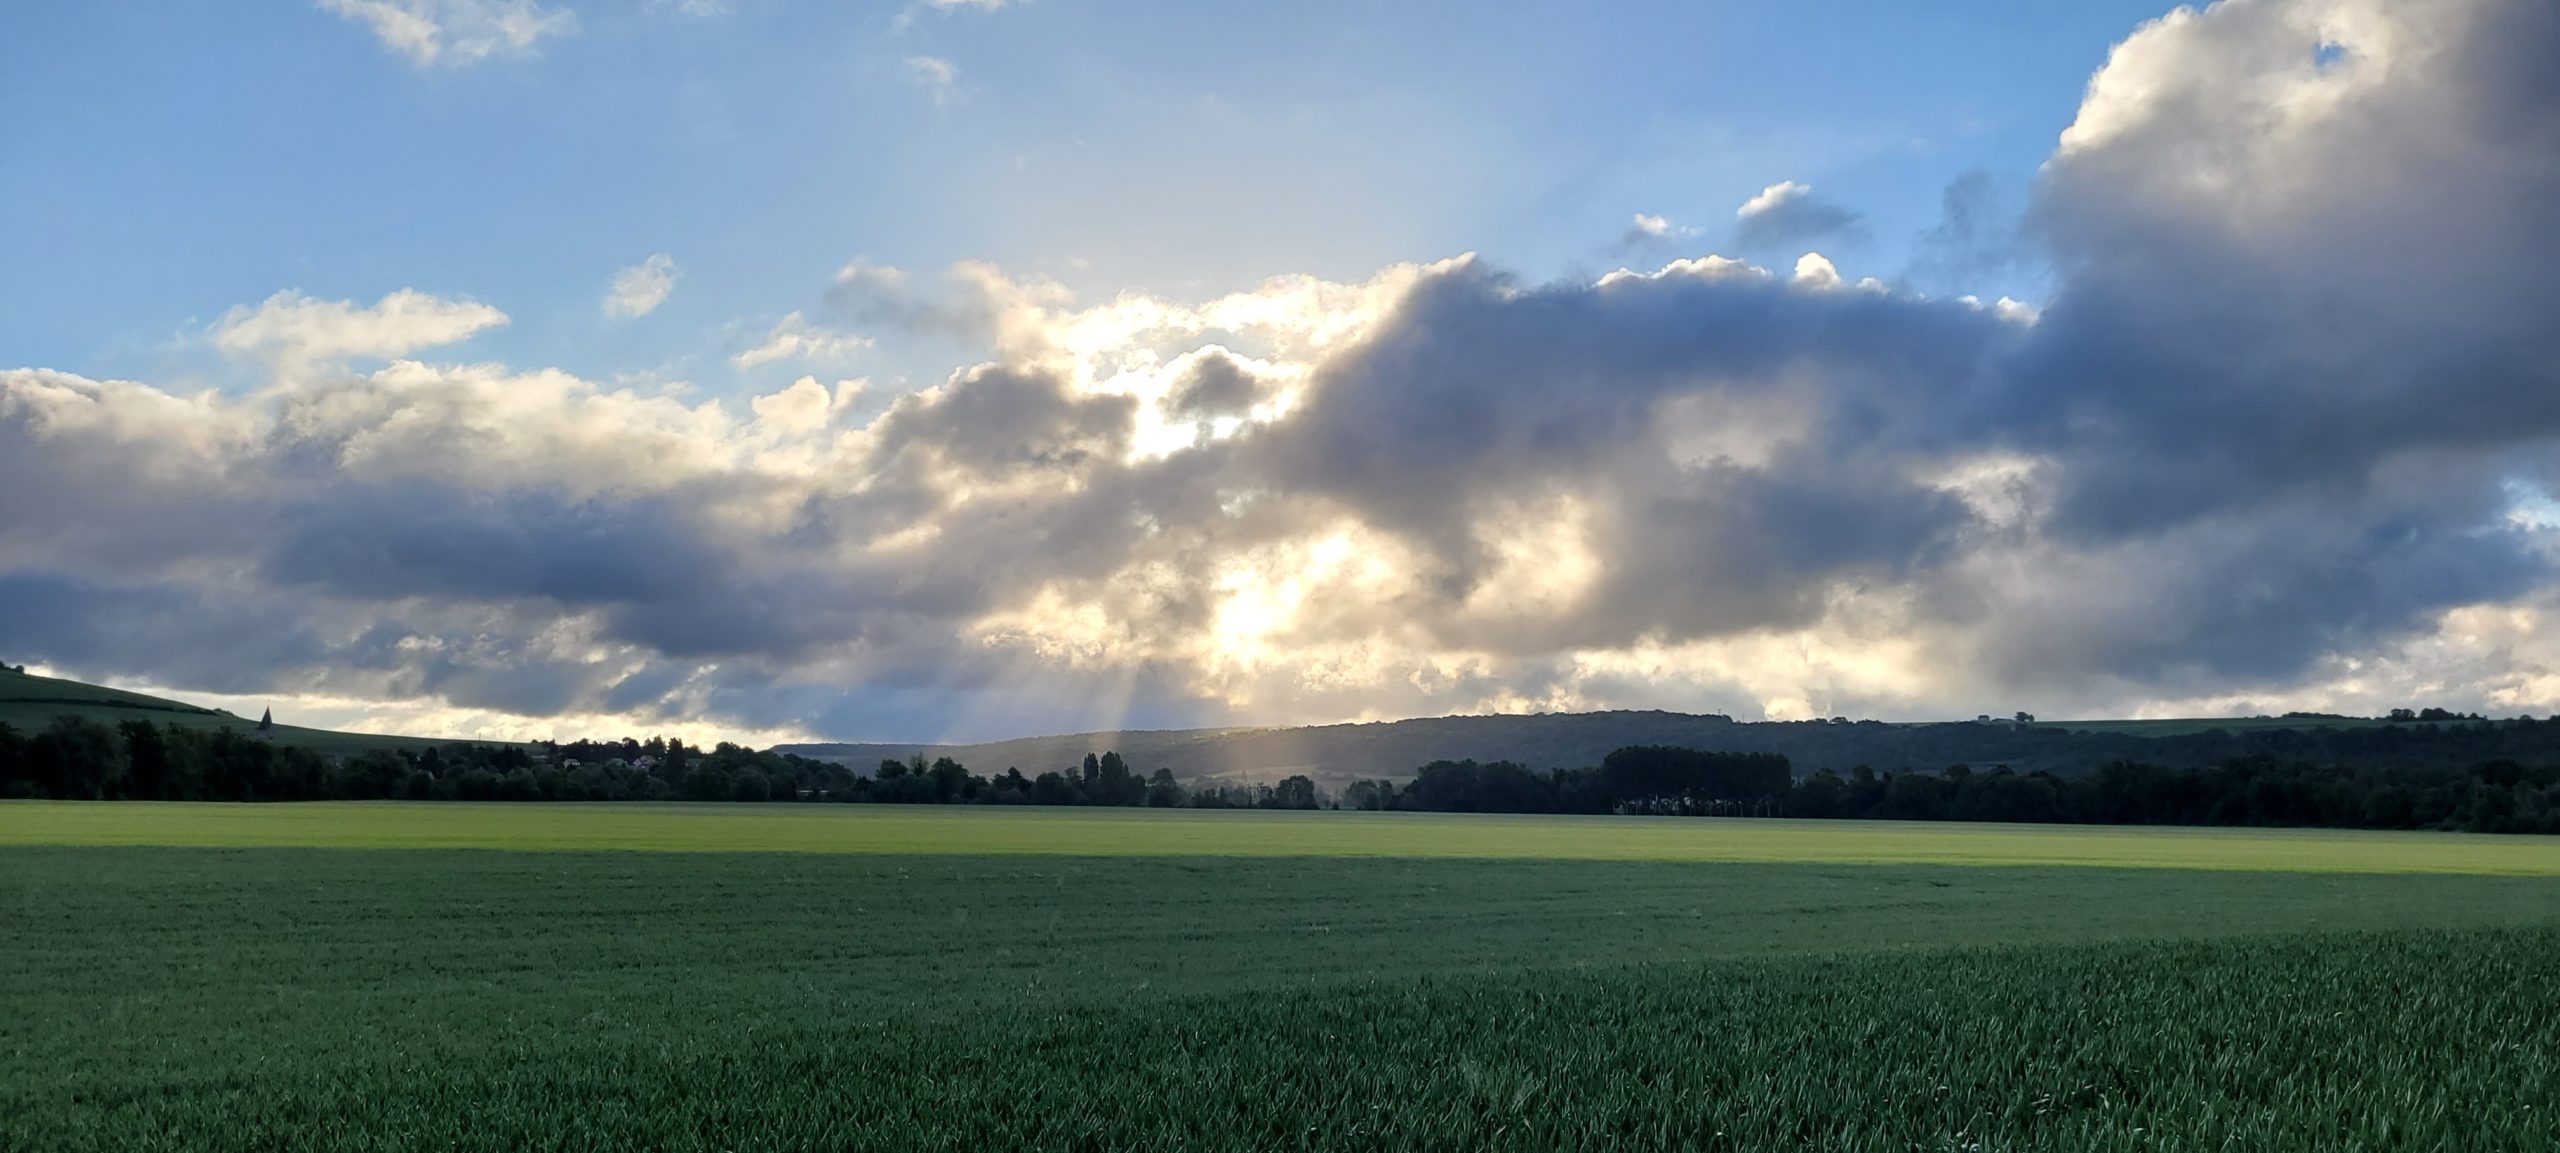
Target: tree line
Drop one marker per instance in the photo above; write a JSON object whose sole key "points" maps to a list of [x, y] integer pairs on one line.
{"points": [[2498, 796], [77, 758]]}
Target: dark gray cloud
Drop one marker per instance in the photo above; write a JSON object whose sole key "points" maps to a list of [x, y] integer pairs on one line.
{"points": [[1215, 386]]}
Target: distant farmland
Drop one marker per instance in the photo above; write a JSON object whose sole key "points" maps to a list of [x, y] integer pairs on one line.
{"points": [[1058, 995]]}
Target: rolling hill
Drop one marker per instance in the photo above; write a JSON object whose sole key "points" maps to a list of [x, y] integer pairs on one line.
{"points": [[1336, 754], [28, 703]]}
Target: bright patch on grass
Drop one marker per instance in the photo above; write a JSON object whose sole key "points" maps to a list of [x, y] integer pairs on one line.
{"points": [[1146, 833]]}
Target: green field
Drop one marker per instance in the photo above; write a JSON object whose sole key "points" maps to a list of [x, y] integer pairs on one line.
{"points": [[28, 703], [1154, 833], [1393, 983]]}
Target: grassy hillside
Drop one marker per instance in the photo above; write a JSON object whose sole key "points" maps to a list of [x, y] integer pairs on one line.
{"points": [[28, 703]]}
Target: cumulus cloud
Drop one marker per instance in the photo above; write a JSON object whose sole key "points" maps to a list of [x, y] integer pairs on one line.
{"points": [[295, 331], [795, 339], [1788, 213], [2262, 443], [455, 33], [641, 288]]}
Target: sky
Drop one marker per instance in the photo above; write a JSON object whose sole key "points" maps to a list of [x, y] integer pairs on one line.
{"points": [[965, 369]]}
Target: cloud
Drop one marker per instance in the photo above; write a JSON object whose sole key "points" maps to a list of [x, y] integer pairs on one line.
{"points": [[1976, 237], [795, 339], [935, 75], [1214, 385], [455, 33], [907, 16], [295, 331], [1788, 213], [2264, 441], [641, 288], [1649, 231]]}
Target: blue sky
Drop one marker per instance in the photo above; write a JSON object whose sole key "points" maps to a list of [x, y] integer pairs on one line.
{"points": [[975, 368], [167, 164]]}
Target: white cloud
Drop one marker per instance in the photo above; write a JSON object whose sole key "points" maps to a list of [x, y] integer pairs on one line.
{"points": [[456, 32], [935, 75], [1772, 199], [795, 339], [1814, 270], [863, 274], [641, 288], [295, 332]]}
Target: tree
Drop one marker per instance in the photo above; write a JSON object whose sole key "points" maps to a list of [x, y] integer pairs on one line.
{"points": [[1291, 792], [1052, 789], [147, 758], [76, 758], [15, 779], [704, 782], [1369, 796], [1163, 792], [1113, 784]]}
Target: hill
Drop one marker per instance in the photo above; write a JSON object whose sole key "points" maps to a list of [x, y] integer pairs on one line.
{"points": [[28, 703], [1334, 755]]}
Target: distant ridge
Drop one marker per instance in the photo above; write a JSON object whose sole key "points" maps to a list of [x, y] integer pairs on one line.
{"points": [[1335, 754], [28, 703]]}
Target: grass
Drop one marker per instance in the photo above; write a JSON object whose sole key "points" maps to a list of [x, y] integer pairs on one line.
{"points": [[29, 703], [1190, 833], [341, 999]]}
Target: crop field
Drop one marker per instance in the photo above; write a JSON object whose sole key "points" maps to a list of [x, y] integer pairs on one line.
{"points": [[940, 829], [993, 993]]}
